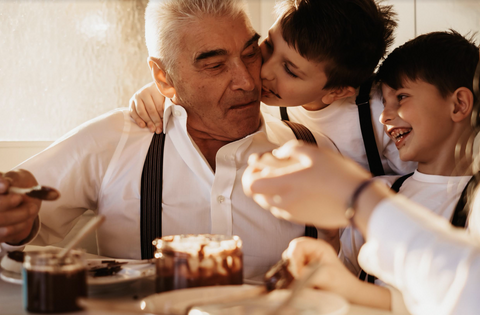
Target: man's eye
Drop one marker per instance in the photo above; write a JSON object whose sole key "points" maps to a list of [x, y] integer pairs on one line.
{"points": [[290, 73], [254, 53], [214, 66], [401, 97]]}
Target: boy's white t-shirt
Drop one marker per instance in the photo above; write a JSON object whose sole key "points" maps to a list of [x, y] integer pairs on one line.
{"points": [[340, 122], [437, 193]]}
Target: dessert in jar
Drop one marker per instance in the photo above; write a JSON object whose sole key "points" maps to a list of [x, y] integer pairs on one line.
{"points": [[52, 285], [185, 261]]}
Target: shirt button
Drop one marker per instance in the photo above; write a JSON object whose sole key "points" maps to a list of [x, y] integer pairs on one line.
{"points": [[177, 113], [220, 199]]}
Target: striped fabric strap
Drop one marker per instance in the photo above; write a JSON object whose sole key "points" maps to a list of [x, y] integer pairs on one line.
{"points": [[366, 126], [303, 133], [284, 114], [399, 182], [462, 209], [151, 196]]}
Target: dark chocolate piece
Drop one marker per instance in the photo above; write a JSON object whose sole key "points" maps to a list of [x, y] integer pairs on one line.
{"points": [[18, 256], [278, 277]]}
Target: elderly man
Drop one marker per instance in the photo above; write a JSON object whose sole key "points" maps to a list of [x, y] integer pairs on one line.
{"points": [[205, 58]]}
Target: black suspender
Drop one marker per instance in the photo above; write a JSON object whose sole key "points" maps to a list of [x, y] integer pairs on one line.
{"points": [[303, 133], [151, 196], [284, 114], [365, 115], [399, 182]]}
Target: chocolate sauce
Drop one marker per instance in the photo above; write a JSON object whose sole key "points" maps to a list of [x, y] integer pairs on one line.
{"points": [[54, 292], [52, 284], [182, 267], [181, 276]]}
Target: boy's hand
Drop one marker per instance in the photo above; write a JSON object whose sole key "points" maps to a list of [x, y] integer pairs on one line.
{"points": [[331, 276], [146, 108]]}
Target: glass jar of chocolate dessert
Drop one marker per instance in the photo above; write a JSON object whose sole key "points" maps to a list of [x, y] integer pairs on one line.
{"points": [[52, 285], [186, 261]]}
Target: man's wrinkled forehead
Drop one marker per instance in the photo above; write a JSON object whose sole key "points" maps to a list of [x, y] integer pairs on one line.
{"points": [[203, 54]]}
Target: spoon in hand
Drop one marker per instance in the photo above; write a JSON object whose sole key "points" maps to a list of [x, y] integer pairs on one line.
{"points": [[38, 192]]}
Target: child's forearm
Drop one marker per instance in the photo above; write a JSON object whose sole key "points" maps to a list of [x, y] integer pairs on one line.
{"points": [[367, 294]]}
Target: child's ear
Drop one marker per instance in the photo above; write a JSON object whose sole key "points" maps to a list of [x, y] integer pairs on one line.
{"points": [[338, 94], [161, 78], [462, 104]]}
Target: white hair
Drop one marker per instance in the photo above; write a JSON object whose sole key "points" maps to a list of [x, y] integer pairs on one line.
{"points": [[164, 19]]}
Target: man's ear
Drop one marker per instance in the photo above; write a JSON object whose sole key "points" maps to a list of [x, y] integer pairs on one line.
{"points": [[338, 94], [160, 77], [462, 100]]}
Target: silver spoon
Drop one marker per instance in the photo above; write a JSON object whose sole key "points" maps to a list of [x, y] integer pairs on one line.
{"points": [[88, 228]]}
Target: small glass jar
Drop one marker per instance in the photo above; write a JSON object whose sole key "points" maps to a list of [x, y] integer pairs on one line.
{"points": [[51, 285], [186, 261]]}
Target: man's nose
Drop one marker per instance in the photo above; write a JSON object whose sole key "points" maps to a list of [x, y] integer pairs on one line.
{"points": [[242, 77]]}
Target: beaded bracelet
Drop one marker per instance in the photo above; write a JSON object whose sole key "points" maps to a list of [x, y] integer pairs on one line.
{"points": [[350, 212]]}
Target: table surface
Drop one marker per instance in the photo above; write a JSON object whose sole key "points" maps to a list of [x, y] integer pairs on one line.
{"points": [[11, 298]]}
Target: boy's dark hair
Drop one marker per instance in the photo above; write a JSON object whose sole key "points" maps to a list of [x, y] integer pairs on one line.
{"points": [[351, 36], [446, 60]]}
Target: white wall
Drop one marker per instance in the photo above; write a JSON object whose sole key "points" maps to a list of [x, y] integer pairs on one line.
{"points": [[65, 62], [418, 17], [13, 153]]}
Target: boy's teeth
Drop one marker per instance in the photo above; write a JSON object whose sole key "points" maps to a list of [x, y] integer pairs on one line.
{"points": [[398, 133]]}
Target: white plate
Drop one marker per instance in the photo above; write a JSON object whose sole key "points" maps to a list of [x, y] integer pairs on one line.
{"points": [[178, 302], [128, 274], [11, 277]]}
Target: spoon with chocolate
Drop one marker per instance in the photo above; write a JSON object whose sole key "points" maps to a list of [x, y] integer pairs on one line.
{"points": [[38, 192]]}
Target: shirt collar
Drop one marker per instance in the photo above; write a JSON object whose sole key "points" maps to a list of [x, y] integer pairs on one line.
{"points": [[168, 112]]}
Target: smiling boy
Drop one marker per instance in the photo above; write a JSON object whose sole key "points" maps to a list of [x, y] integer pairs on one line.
{"points": [[428, 96]]}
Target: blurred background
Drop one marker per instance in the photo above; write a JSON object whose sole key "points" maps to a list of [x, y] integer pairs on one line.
{"points": [[63, 62]]}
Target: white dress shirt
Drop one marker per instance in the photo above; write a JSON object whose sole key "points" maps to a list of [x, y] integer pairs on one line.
{"points": [[340, 122], [435, 265], [99, 166]]}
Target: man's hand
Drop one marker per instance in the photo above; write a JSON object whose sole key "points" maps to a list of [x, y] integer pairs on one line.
{"points": [[17, 212], [146, 108]]}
